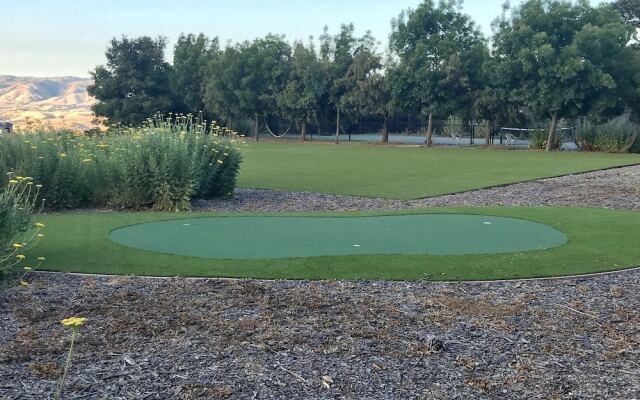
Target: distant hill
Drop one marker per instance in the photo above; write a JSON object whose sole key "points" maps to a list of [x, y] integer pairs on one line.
{"points": [[60, 101]]}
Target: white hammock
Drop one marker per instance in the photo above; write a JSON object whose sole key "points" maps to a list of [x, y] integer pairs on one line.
{"points": [[273, 134]]}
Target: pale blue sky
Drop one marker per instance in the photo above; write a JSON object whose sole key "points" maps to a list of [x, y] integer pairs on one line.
{"points": [[69, 37]]}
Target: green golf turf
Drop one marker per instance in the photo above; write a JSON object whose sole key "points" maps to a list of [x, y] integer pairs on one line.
{"points": [[255, 238], [598, 240], [405, 172]]}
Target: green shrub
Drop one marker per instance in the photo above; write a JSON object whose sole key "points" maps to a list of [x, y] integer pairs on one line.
{"points": [[618, 135], [161, 166], [17, 208], [453, 126], [538, 139], [481, 128]]}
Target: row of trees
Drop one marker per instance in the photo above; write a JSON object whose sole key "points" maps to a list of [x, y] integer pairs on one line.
{"points": [[547, 59]]}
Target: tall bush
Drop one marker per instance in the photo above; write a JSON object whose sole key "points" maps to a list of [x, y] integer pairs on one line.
{"points": [[161, 166], [453, 126], [618, 135], [18, 205]]}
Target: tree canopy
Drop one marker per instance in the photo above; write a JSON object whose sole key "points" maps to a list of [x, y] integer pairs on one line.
{"points": [[246, 79], [546, 60], [134, 84], [565, 59], [191, 57], [440, 54]]}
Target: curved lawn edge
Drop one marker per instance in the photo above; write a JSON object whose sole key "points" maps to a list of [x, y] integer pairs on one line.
{"points": [[599, 241], [463, 191], [213, 278], [475, 168]]}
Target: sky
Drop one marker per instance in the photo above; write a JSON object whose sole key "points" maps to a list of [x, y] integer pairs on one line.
{"points": [[69, 37]]}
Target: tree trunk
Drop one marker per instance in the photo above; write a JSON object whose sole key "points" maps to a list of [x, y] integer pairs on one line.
{"points": [[552, 132], [430, 130], [337, 125], [489, 133], [303, 131], [256, 127], [385, 131]]}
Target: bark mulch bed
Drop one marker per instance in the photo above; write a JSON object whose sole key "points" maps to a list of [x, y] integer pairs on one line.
{"points": [[575, 338], [617, 188]]}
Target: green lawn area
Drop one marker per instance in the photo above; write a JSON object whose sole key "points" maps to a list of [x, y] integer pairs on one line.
{"points": [[598, 240], [405, 172]]}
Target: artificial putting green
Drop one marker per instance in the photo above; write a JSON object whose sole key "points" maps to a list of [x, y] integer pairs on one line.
{"points": [[597, 240], [256, 238], [405, 172]]}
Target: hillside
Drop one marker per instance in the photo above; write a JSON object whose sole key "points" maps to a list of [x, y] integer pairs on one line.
{"points": [[60, 101]]}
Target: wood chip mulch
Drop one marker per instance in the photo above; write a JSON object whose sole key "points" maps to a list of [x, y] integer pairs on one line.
{"points": [[576, 338]]}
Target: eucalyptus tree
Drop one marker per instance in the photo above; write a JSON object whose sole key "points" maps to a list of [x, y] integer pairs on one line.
{"points": [[440, 53], [134, 83], [343, 57], [566, 59], [191, 58], [368, 92], [246, 79], [493, 101], [630, 11], [300, 97]]}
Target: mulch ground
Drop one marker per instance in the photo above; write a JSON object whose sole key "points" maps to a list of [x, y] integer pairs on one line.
{"points": [[576, 338], [573, 338]]}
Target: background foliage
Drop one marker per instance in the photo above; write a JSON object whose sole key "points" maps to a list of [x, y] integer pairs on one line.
{"points": [[547, 61]]}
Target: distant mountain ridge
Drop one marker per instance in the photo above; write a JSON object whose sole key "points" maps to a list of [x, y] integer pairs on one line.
{"points": [[57, 101]]}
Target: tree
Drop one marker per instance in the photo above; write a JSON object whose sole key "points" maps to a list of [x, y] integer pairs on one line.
{"points": [[305, 86], [245, 80], [566, 59], [440, 52], [134, 84], [337, 55], [630, 11], [367, 89], [191, 57], [493, 101]]}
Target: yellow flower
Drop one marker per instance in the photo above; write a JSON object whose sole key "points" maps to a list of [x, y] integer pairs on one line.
{"points": [[40, 235], [41, 258], [23, 283], [21, 257], [220, 162], [74, 322], [86, 160], [27, 269], [40, 225], [63, 155], [17, 246], [13, 181]]}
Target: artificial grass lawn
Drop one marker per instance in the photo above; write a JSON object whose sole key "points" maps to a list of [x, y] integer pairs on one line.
{"points": [[287, 237], [598, 240], [405, 172]]}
